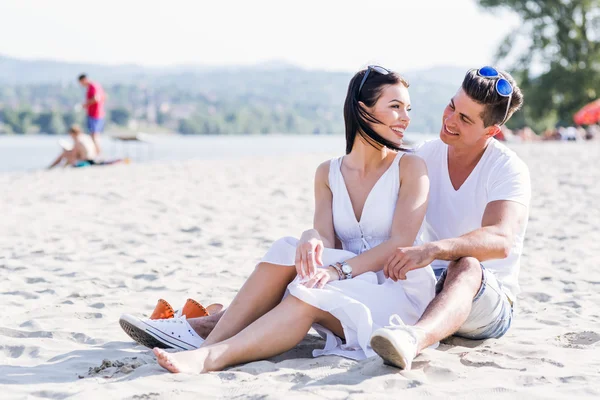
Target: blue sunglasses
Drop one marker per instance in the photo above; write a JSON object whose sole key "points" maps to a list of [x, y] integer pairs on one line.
{"points": [[503, 86], [376, 68]]}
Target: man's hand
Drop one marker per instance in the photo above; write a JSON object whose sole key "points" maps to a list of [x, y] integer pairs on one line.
{"points": [[406, 259]]}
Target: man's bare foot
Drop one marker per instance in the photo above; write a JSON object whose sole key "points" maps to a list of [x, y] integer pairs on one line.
{"points": [[190, 362]]}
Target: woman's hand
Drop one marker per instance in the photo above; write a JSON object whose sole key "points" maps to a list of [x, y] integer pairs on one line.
{"points": [[309, 254], [321, 277]]}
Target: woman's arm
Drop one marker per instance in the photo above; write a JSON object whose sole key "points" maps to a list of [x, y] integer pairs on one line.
{"points": [[323, 220], [309, 252], [408, 217]]}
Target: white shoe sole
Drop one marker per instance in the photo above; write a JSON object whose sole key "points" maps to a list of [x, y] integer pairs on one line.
{"points": [[150, 336], [386, 347]]}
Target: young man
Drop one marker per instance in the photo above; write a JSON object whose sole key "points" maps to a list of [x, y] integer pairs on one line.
{"points": [[82, 150], [475, 223], [95, 108]]}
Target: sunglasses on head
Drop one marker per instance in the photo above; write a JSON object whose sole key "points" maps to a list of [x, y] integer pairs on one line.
{"points": [[376, 68], [503, 86]]}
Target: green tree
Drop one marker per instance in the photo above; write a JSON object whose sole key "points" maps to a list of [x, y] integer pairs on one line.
{"points": [[11, 118], [72, 118], [51, 122], [189, 127], [563, 39], [120, 116], [26, 118]]}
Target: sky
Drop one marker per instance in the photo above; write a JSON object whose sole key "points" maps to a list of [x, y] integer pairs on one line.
{"points": [[314, 34]]}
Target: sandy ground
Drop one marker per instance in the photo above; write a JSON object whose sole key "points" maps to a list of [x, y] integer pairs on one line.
{"points": [[80, 247]]}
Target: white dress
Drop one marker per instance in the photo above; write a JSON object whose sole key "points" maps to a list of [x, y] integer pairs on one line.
{"points": [[365, 302]]}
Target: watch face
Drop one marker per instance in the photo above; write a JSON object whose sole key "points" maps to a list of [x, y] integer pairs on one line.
{"points": [[346, 269]]}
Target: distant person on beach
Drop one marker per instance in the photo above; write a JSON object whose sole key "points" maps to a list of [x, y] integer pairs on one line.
{"points": [[368, 203], [82, 150], [94, 104]]}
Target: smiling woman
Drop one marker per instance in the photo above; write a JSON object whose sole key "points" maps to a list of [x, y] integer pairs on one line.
{"points": [[377, 105], [368, 203]]}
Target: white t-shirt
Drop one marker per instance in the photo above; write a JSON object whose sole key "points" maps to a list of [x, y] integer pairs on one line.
{"points": [[499, 175]]}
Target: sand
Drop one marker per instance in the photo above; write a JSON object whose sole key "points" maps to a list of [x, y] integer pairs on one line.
{"points": [[80, 247]]}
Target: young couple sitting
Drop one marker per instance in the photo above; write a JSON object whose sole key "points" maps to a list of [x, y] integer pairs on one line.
{"points": [[407, 247]]}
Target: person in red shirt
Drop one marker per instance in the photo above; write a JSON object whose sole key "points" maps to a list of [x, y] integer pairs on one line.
{"points": [[95, 108]]}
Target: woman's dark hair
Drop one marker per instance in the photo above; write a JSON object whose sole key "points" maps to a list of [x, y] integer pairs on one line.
{"points": [[357, 118]]}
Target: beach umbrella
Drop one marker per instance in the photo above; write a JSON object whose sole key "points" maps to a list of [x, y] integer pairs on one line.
{"points": [[589, 114]]}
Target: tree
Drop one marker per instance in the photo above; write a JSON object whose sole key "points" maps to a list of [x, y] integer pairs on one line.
{"points": [[563, 38], [120, 116], [26, 118], [72, 118], [51, 123]]}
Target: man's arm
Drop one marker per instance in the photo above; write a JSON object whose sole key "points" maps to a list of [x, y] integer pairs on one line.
{"points": [[501, 221]]}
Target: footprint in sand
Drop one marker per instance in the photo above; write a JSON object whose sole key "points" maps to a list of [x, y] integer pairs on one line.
{"points": [[14, 333], [12, 351], [109, 368], [578, 340]]}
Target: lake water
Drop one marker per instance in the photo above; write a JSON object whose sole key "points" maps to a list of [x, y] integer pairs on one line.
{"points": [[31, 152]]}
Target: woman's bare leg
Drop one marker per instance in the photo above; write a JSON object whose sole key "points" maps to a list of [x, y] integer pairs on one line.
{"points": [[262, 291], [274, 333]]}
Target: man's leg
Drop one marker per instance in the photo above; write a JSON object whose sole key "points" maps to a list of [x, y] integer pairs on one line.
{"points": [[451, 307], [95, 126], [205, 325], [96, 139], [399, 344]]}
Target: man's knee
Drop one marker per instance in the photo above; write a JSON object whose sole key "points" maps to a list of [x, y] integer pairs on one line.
{"points": [[467, 270]]}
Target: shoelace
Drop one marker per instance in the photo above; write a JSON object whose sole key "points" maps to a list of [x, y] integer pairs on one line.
{"points": [[177, 318], [396, 322]]}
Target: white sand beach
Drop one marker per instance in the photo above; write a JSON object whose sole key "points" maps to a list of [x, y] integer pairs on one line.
{"points": [[80, 247]]}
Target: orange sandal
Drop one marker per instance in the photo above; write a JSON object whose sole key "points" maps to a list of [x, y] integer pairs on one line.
{"points": [[191, 309]]}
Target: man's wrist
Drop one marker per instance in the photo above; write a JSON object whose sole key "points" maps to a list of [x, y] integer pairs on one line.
{"points": [[434, 250]]}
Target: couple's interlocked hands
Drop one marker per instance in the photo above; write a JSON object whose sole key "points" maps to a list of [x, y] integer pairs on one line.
{"points": [[406, 259], [309, 257]]}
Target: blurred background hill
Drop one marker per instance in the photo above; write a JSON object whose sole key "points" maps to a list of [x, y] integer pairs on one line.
{"points": [[38, 96]]}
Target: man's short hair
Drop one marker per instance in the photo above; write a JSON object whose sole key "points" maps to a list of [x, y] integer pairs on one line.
{"points": [[483, 91], [82, 77]]}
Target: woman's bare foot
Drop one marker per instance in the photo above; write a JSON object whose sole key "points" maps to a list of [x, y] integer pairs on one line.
{"points": [[164, 360], [190, 362]]}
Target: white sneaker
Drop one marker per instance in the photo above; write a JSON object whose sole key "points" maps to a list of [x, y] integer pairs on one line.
{"points": [[172, 333], [396, 344]]}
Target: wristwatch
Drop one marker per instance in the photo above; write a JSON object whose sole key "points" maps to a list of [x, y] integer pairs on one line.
{"points": [[346, 269]]}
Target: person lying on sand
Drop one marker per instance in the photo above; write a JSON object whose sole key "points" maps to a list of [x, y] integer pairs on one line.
{"points": [[370, 201], [82, 150]]}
